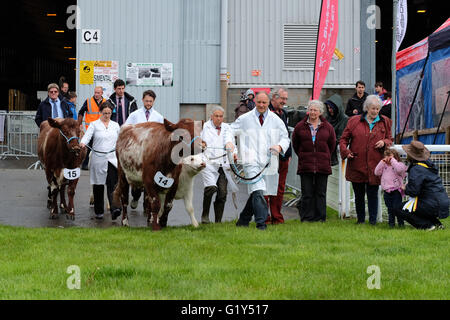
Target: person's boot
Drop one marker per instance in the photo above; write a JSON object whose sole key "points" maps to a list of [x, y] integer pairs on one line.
{"points": [[207, 196]]}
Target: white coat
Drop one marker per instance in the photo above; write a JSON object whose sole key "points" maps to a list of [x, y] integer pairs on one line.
{"points": [[104, 141], [138, 116], [216, 148], [254, 144]]}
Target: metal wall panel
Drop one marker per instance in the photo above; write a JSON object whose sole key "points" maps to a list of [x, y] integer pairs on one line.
{"points": [[135, 31], [256, 42], [201, 51]]}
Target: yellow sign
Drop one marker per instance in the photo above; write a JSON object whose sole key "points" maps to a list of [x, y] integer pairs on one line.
{"points": [[338, 54], [103, 64], [87, 72]]}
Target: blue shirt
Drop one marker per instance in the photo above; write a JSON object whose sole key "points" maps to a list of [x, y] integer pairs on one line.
{"points": [[374, 122], [59, 112], [264, 114]]}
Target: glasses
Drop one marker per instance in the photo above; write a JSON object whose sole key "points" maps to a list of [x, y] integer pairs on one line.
{"points": [[53, 91]]}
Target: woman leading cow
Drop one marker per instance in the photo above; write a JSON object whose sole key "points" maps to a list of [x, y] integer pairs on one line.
{"points": [[104, 133]]}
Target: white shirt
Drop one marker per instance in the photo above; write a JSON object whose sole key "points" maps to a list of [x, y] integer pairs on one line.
{"points": [[104, 141], [138, 116]]}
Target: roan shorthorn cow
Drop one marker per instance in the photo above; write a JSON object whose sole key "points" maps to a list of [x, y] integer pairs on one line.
{"points": [[61, 155], [158, 158]]}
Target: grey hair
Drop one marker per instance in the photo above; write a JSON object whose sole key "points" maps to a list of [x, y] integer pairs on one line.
{"points": [[217, 108], [318, 104], [373, 99], [52, 86], [275, 93]]}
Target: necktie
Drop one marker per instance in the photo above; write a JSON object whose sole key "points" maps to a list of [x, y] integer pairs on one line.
{"points": [[54, 110], [261, 119], [218, 130], [147, 114], [119, 111]]}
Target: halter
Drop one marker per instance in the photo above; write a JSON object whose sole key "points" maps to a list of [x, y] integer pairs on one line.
{"points": [[67, 139], [237, 173]]}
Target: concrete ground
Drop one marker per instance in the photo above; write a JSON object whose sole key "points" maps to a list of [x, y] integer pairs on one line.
{"points": [[23, 201]]}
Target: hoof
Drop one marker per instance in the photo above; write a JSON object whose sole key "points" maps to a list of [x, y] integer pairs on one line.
{"points": [[53, 216], [125, 223], [70, 217], [156, 227]]}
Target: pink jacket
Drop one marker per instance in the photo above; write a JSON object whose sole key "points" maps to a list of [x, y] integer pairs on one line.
{"points": [[392, 176]]}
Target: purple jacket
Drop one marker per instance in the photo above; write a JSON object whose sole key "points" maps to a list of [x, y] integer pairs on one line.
{"points": [[392, 176]]}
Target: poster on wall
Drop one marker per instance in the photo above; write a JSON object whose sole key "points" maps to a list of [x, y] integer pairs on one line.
{"points": [[98, 71], [149, 74]]}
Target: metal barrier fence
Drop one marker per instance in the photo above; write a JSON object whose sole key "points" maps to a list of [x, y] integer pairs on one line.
{"points": [[20, 134]]}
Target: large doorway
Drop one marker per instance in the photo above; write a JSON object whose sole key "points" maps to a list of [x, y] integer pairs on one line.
{"points": [[38, 47]]}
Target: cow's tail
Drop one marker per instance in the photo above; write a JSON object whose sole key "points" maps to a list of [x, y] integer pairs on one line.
{"points": [[117, 194]]}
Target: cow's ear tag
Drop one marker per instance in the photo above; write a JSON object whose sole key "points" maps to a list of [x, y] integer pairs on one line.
{"points": [[162, 181], [72, 174]]}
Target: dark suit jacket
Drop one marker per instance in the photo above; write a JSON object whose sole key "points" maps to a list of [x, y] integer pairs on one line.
{"points": [[45, 111]]}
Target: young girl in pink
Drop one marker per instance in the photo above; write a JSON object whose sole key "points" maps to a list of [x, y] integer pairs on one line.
{"points": [[393, 173]]}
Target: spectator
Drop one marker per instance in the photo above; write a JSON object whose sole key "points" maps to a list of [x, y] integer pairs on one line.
{"points": [[91, 113], [266, 133], [386, 109], [216, 177], [142, 115], [355, 103], [250, 99], [335, 115], [277, 103], [242, 107], [52, 107], [314, 141], [429, 199], [367, 136], [393, 173], [72, 102], [104, 133], [123, 103], [380, 91], [64, 85]]}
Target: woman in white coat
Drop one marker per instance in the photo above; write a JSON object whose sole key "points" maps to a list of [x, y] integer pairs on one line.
{"points": [[216, 175], [263, 136], [103, 162]]}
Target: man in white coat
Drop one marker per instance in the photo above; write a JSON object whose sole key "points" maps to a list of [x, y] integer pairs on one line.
{"points": [[142, 115], [216, 175], [263, 136]]}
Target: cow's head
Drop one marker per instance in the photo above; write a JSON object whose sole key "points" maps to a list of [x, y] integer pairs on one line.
{"points": [[70, 133], [188, 131], [192, 165]]}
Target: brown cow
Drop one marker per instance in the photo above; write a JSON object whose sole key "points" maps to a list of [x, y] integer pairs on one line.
{"points": [[150, 155], [59, 149]]}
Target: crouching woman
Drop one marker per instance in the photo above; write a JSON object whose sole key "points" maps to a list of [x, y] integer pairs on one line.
{"points": [[429, 200]]}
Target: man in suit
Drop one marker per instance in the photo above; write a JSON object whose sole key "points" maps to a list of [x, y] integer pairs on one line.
{"points": [[52, 107], [123, 103]]}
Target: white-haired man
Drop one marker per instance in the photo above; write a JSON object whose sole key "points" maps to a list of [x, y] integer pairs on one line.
{"points": [[263, 134], [216, 176]]}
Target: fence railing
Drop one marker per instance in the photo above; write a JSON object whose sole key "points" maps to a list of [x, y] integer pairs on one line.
{"points": [[20, 134]]}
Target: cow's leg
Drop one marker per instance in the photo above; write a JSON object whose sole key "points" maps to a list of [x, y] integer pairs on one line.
{"points": [[54, 194], [120, 194], [62, 196], [49, 197], [153, 205], [168, 204], [162, 199], [70, 211], [189, 207]]}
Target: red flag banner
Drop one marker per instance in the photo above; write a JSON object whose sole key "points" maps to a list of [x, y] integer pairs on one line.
{"points": [[326, 43]]}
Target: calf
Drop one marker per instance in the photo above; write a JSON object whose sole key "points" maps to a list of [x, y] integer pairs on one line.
{"points": [[59, 149], [150, 155]]}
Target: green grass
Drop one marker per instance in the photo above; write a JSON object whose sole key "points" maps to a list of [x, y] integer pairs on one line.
{"points": [[290, 261]]}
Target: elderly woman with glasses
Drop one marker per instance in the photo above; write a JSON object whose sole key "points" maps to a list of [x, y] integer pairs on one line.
{"points": [[362, 144], [103, 169], [314, 140]]}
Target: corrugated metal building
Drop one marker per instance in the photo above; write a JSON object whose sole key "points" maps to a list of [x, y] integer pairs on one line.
{"points": [[275, 37]]}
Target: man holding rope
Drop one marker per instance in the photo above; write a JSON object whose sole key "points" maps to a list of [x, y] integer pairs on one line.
{"points": [[263, 136]]}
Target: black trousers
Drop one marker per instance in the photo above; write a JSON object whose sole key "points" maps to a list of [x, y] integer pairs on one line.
{"points": [[313, 205], [360, 190], [221, 198], [99, 190], [419, 219]]}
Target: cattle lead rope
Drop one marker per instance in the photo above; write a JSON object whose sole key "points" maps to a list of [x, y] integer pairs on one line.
{"points": [[236, 172]]}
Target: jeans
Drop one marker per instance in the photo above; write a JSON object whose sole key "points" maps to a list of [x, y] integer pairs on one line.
{"points": [[360, 190], [393, 201], [256, 205]]}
